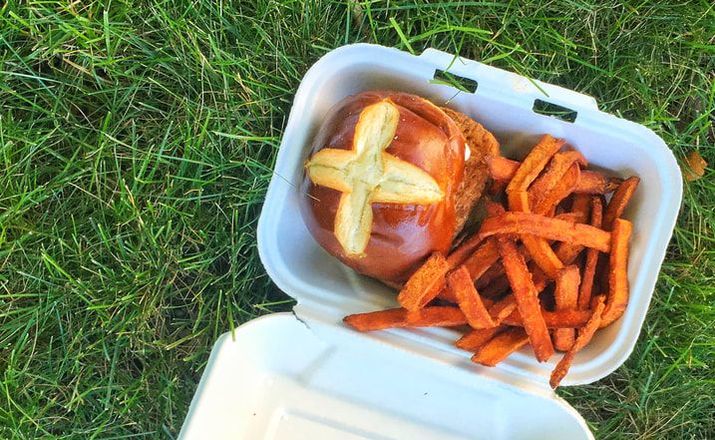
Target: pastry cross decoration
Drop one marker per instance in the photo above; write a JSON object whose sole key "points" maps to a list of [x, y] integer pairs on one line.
{"points": [[367, 174]]}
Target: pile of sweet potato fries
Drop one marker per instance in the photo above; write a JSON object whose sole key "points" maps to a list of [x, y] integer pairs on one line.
{"points": [[547, 267]]}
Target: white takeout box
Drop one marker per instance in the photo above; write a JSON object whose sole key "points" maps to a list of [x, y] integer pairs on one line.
{"points": [[306, 375]]}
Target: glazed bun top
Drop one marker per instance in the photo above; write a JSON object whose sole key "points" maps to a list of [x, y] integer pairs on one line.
{"points": [[381, 181]]}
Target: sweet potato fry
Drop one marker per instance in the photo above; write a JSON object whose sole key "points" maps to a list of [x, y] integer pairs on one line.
{"points": [[546, 227], [501, 346], [566, 298], [425, 283], [494, 209], [534, 163], [618, 272], [502, 308], [464, 250], [502, 169], [612, 183], [495, 273], [619, 201], [581, 207], [568, 253], [475, 339], [542, 254], [377, 320], [526, 298], [479, 262], [584, 337], [468, 299], [558, 319], [538, 277], [497, 187], [561, 189], [589, 268], [571, 217], [482, 259], [519, 201], [446, 294], [488, 302], [496, 287], [560, 164], [436, 316], [565, 251], [490, 275], [529, 170]]}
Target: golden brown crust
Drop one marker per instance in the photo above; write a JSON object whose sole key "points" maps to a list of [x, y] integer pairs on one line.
{"points": [[481, 144], [402, 235]]}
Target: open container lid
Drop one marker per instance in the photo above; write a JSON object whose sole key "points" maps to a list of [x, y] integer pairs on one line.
{"points": [[279, 380], [305, 375]]}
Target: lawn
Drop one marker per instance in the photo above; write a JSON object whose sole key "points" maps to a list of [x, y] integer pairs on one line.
{"points": [[136, 145]]}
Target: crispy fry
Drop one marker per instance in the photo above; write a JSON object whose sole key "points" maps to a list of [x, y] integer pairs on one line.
{"points": [[475, 339], [446, 294], [619, 201], [490, 275], [560, 164], [566, 298], [584, 337], [497, 187], [495, 273], [502, 308], [377, 320], [559, 319], [612, 183], [425, 283], [618, 272], [589, 268], [464, 250], [494, 209], [436, 316], [546, 227], [479, 262], [568, 252], [526, 298], [488, 302], [482, 259], [468, 299], [542, 254], [561, 189], [519, 201], [534, 162], [501, 346], [538, 277], [502, 169], [593, 182], [496, 287], [572, 217], [581, 207]]}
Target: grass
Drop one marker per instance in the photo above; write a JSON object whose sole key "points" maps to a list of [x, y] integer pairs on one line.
{"points": [[136, 144]]}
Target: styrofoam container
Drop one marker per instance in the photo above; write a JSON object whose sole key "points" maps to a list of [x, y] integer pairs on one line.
{"points": [[305, 375]]}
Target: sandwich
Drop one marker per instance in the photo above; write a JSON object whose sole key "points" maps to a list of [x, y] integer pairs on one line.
{"points": [[392, 178]]}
